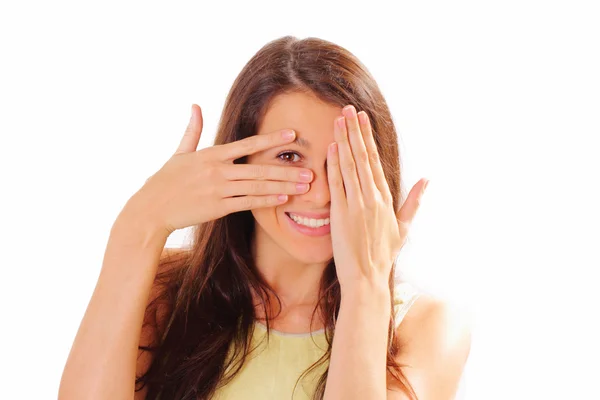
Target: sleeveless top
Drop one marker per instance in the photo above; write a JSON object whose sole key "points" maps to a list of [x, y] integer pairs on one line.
{"points": [[272, 370]]}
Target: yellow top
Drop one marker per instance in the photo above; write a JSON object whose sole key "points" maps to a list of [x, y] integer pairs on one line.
{"points": [[272, 370]]}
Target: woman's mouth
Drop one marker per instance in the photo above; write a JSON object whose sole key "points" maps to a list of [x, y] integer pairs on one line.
{"points": [[309, 226]]}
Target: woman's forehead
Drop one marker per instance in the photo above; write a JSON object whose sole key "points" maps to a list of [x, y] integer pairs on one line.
{"points": [[311, 118]]}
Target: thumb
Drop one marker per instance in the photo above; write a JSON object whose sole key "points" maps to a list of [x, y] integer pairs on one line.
{"points": [[409, 209], [191, 137]]}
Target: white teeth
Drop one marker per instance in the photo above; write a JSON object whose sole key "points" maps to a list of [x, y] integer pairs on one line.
{"points": [[310, 222]]}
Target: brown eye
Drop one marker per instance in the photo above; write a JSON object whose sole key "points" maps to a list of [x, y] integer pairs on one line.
{"points": [[289, 157]]}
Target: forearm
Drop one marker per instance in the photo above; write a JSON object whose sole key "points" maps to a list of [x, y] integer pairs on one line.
{"points": [[357, 366], [102, 360]]}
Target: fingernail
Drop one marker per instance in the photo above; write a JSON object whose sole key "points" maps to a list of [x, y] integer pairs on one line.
{"points": [[301, 187], [333, 148], [192, 113], [306, 176], [425, 187], [282, 197], [350, 110], [288, 135], [362, 117]]}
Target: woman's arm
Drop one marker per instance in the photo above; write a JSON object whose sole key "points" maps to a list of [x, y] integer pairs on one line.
{"points": [[102, 360], [357, 366], [436, 342]]}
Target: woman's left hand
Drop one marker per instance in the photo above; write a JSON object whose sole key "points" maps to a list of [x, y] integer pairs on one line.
{"points": [[366, 233]]}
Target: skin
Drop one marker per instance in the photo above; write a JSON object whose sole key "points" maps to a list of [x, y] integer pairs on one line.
{"points": [[292, 263], [365, 236], [436, 341]]}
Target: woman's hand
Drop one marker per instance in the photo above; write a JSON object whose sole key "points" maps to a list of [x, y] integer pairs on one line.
{"points": [[199, 186], [365, 232]]}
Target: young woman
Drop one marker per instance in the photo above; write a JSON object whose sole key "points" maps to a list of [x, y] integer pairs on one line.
{"points": [[289, 289]]}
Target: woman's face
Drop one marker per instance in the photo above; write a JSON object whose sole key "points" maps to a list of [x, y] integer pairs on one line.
{"points": [[300, 226]]}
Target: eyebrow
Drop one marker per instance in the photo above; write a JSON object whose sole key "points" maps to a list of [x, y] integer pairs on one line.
{"points": [[302, 142]]}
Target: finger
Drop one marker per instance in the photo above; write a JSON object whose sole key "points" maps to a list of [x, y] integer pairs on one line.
{"points": [[254, 144], [359, 152], [334, 176], [266, 172], [235, 204], [374, 159], [254, 187], [347, 166], [411, 205], [191, 137]]}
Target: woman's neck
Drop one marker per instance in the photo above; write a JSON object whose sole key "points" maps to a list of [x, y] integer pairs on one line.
{"points": [[296, 283]]}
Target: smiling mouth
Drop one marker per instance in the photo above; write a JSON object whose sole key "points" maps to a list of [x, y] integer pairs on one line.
{"points": [[308, 222]]}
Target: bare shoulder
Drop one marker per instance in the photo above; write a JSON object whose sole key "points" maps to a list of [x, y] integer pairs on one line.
{"points": [[435, 338], [434, 311], [433, 318]]}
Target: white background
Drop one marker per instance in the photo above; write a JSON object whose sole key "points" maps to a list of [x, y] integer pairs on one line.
{"points": [[497, 103]]}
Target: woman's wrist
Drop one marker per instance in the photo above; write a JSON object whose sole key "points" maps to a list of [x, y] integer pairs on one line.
{"points": [[138, 221], [369, 295]]}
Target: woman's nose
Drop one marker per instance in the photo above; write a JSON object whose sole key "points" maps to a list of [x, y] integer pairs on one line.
{"points": [[318, 193]]}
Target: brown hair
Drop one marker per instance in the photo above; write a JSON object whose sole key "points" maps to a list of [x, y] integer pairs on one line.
{"points": [[209, 297]]}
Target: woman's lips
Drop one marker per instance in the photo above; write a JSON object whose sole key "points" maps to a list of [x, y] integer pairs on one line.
{"points": [[307, 230], [309, 214]]}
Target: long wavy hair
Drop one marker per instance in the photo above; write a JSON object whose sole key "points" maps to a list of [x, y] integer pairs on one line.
{"points": [[206, 297]]}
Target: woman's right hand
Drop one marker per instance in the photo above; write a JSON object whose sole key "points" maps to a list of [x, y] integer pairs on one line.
{"points": [[196, 186]]}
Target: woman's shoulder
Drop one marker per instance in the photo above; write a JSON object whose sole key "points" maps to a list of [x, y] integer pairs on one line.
{"points": [[428, 320], [435, 336], [421, 306]]}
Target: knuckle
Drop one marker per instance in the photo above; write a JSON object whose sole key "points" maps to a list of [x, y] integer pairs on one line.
{"points": [[208, 152], [374, 156], [370, 203], [349, 167], [259, 171], [357, 212], [215, 150], [270, 200], [363, 156], [213, 190], [248, 145], [418, 201], [386, 199], [289, 187], [212, 172], [256, 187], [247, 202], [337, 182]]}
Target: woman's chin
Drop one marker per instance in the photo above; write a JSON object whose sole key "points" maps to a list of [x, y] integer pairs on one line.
{"points": [[312, 255]]}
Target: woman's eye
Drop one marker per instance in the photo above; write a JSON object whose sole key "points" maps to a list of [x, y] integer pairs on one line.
{"points": [[288, 157]]}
